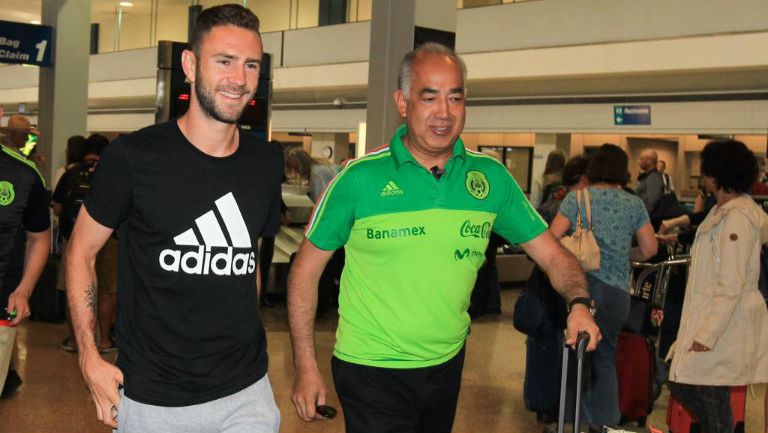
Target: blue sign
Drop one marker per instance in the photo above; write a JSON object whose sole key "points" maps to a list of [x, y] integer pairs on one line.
{"points": [[631, 115], [26, 43]]}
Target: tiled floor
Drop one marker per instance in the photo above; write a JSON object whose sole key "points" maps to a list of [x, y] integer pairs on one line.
{"points": [[54, 398]]}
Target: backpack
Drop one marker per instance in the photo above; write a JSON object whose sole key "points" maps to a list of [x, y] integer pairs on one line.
{"points": [[554, 194], [79, 184]]}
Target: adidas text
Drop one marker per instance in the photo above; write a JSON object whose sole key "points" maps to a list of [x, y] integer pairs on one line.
{"points": [[204, 261]]}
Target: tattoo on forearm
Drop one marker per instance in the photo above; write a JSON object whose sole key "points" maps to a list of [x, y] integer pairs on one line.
{"points": [[90, 297]]}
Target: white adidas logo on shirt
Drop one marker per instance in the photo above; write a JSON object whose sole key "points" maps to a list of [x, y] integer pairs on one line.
{"points": [[216, 254]]}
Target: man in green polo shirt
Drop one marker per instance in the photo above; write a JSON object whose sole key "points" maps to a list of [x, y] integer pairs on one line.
{"points": [[414, 217]]}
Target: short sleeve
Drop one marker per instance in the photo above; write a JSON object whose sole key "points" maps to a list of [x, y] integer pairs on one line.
{"points": [[334, 213], [641, 213], [36, 216], [517, 220], [569, 208], [276, 205], [272, 225], [109, 195], [60, 193]]}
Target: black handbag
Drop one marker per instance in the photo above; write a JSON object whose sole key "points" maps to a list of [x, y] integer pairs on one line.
{"points": [[667, 207], [539, 311]]}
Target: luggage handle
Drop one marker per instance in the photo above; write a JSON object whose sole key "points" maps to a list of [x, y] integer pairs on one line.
{"points": [[582, 340]]}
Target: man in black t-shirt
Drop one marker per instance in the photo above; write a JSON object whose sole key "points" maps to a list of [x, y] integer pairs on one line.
{"points": [[190, 199], [67, 199], [25, 236], [75, 183]]}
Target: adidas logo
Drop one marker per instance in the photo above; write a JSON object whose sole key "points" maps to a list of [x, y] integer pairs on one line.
{"points": [[391, 189], [217, 253]]}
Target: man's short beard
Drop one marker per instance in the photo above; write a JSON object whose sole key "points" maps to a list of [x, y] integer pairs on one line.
{"points": [[207, 103]]}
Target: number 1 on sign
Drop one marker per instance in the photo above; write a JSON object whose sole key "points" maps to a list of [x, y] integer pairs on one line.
{"points": [[41, 49]]}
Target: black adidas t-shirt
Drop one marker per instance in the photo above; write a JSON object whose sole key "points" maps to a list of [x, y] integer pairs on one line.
{"points": [[188, 324]]}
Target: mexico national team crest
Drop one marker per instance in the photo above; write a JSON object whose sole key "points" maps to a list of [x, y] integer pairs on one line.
{"points": [[477, 185], [6, 193]]}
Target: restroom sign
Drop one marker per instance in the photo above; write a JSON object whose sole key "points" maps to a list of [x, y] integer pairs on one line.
{"points": [[631, 115], [27, 44]]}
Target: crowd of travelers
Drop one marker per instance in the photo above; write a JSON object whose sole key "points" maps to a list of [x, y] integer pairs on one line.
{"points": [[719, 335]]}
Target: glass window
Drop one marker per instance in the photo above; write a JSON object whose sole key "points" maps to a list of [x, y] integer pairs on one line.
{"points": [[359, 10], [148, 21], [171, 22], [274, 15], [126, 27]]}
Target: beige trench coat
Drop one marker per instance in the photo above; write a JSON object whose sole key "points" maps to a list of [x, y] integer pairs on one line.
{"points": [[723, 308]]}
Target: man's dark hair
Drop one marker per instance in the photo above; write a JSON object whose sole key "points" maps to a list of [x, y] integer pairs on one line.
{"points": [[223, 15], [609, 165], [731, 163], [75, 149], [574, 169], [95, 143]]}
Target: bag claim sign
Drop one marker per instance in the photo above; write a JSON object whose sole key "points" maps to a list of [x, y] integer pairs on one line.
{"points": [[27, 44]]}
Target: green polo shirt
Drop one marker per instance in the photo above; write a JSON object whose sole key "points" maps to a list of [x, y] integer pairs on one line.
{"points": [[413, 247]]}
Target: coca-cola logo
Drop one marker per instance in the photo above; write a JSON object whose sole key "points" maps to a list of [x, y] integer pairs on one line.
{"points": [[470, 230]]}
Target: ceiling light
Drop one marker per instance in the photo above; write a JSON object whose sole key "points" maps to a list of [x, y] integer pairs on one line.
{"points": [[125, 4], [35, 22]]}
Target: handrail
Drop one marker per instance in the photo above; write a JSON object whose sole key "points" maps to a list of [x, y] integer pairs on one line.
{"points": [[682, 259]]}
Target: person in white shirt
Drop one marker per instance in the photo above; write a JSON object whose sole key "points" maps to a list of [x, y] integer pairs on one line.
{"points": [[669, 183]]}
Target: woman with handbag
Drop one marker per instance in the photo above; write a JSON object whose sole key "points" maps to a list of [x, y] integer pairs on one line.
{"points": [[602, 220]]}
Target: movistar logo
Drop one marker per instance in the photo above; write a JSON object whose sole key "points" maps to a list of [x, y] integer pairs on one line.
{"points": [[391, 189], [215, 255], [469, 230], [461, 255], [403, 232]]}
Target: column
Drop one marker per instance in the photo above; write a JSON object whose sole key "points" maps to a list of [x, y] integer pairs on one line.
{"points": [[396, 27], [63, 91]]}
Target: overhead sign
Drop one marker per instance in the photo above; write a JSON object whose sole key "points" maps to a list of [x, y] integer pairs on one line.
{"points": [[631, 115], [28, 44]]}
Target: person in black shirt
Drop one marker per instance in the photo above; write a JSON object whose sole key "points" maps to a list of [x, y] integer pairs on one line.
{"points": [[189, 199], [25, 236], [67, 199]]}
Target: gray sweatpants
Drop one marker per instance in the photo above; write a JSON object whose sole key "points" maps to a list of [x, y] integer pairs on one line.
{"points": [[252, 410]]}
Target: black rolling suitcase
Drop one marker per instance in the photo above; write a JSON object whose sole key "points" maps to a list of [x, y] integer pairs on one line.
{"points": [[540, 386], [46, 303]]}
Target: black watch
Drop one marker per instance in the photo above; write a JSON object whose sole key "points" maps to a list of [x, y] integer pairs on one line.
{"points": [[587, 302]]}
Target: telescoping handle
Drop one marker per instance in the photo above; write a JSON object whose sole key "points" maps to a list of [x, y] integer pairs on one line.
{"points": [[582, 341]]}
